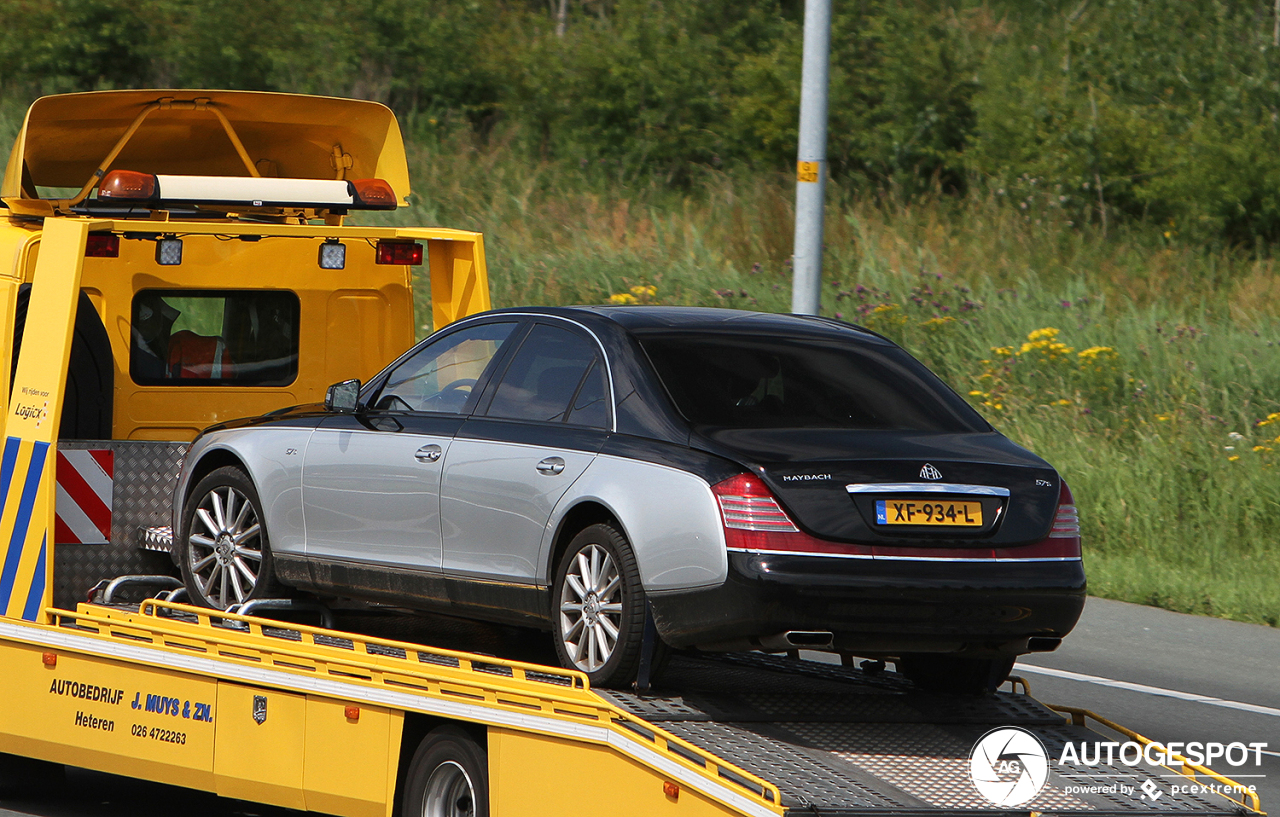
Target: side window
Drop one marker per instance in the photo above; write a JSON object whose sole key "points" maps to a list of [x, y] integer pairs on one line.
{"points": [[440, 376], [210, 337], [554, 377]]}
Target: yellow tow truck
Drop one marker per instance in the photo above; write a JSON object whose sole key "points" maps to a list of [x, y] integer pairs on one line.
{"points": [[173, 259]]}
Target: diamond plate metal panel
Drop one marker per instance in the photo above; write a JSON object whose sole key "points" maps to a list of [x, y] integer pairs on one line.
{"points": [[922, 760], [804, 778], [145, 475]]}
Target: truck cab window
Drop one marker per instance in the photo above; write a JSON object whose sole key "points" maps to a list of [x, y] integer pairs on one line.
{"points": [[206, 337]]}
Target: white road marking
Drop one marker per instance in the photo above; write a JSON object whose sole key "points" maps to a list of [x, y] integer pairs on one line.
{"points": [[1167, 693]]}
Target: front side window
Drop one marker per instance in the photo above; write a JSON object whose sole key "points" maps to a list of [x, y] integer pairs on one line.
{"points": [[556, 376], [442, 374], [214, 338]]}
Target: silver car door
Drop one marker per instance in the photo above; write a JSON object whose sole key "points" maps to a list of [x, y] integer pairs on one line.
{"points": [[371, 480], [544, 422]]}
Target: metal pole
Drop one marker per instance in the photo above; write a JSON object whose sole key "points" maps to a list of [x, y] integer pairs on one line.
{"points": [[811, 159]]}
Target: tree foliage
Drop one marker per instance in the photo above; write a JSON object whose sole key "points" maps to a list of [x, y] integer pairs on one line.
{"points": [[1113, 110]]}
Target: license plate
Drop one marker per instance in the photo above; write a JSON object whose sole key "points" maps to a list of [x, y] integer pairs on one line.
{"points": [[919, 512]]}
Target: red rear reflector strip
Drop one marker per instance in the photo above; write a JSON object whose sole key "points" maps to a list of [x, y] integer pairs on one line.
{"points": [[399, 252], [128, 184], [373, 194], [102, 246]]}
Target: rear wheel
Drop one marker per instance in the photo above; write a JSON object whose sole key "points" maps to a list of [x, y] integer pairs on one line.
{"points": [[955, 675], [599, 607], [448, 777], [224, 552]]}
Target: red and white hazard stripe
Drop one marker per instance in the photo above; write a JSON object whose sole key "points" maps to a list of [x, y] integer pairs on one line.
{"points": [[83, 506]]}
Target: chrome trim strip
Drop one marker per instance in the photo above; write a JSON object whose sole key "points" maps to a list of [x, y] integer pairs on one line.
{"points": [[924, 488], [906, 558]]}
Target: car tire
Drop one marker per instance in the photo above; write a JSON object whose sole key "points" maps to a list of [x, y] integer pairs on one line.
{"points": [[225, 558], [447, 777], [955, 675], [598, 624]]}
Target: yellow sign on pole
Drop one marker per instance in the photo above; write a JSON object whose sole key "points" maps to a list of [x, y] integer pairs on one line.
{"points": [[807, 172]]}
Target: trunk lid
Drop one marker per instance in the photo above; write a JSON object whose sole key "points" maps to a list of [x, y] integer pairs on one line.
{"points": [[830, 481]]}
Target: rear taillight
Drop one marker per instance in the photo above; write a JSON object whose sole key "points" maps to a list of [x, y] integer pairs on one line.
{"points": [[753, 520], [746, 504], [1066, 523], [102, 245], [399, 252]]}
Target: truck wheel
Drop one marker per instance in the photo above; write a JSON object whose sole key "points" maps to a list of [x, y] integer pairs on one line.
{"points": [[224, 552], [21, 775], [955, 675], [448, 777], [599, 607]]}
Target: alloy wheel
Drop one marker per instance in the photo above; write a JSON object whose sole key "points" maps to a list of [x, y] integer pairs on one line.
{"points": [[449, 792], [225, 547], [591, 608]]}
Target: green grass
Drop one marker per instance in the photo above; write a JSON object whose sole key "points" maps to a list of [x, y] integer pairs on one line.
{"points": [[1141, 434]]}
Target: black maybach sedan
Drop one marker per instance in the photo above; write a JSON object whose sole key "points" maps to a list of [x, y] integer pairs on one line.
{"points": [[743, 480]]}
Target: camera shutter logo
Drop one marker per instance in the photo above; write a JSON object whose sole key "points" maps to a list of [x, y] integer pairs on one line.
{"points": [[1009, 766], [929, 472]]}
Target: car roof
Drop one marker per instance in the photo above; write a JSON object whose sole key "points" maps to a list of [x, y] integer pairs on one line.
{"points": [[643, 319]]}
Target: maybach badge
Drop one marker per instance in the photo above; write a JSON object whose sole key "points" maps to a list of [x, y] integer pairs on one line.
{"points": [[259, 709], [929, 472]]}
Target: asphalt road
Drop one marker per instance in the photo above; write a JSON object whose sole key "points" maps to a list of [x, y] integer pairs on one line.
{"points": [[1167, 676], [1172, 677]]}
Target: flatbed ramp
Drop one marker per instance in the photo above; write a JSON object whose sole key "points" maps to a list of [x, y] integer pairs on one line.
{"points": [[838, 740], [726, 734]]}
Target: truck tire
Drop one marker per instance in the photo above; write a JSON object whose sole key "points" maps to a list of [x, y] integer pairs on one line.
{"points": [[955, 675], [87, 399], [224, 552], [447, 777], [20, 775], [598, 607]]}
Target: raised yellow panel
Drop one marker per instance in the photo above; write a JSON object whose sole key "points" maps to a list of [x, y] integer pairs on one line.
{"points": [[110, 716], [259, 745], [346, 767], [357, 345], [521, 782]]}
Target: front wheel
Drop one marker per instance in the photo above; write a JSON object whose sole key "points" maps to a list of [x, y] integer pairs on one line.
{"points": [[223, 551], [955, 675], [599, 607], [448, 777]]}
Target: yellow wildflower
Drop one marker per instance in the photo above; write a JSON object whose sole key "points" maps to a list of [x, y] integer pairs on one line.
{"points": [[1233, 458], [623, 298]]}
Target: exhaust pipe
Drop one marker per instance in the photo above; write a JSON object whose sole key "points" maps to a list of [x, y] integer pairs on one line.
{"points": [[797, 640], [1039, 643]]}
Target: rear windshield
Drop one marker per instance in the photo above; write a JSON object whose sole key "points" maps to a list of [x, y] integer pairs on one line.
{"points": [[752, 381]]}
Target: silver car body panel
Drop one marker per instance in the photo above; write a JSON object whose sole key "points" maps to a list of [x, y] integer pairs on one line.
{"points": [[494, 505], [669, 516], [273, 459], [368, 497]]}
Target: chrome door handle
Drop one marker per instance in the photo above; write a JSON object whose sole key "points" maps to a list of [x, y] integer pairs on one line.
{"points": [[550, 466], [428, 453]]}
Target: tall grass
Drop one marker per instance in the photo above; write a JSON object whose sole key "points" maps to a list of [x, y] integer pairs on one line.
{"points": [[1155, 429]]}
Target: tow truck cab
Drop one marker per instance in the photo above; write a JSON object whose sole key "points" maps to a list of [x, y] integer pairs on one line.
{"points": [[217, 277]]}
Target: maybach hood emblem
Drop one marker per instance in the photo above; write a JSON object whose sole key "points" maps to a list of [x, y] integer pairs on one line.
{"points": [[259, 709], [929, 472]]}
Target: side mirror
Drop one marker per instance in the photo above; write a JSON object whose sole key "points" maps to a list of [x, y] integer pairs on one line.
{"points": [[342, 397]]}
